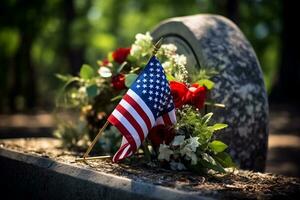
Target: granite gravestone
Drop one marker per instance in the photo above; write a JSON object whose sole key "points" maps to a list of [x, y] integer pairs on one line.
{"points": [[213, 41]]}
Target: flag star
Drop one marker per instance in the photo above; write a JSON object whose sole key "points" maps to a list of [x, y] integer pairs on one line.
{"points": [[144, 80], [163, 83], [144, 85], [157, 81], [157, 64], [160, 101], [151, 64], [151, 80], [157, 75], [144, 75], [155, 99], [161, 94], [150, 98], [158, 70], [157, 87], [144, 91], [162, 88], [138, 81], [138, 86], [151, 86], [163, 77], [155, 106], [156, 93], [150, 92], [151, 75]]}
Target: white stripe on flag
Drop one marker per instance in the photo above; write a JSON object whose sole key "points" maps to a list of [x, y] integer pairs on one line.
{"points": [[144, 106], [128, 126], [136, 116], [172, 116], [124, 152], [159, 121]]}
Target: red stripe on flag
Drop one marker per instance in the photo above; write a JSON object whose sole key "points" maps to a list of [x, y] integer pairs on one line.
{"points": [[117, 158], [114, 121], [131, 119], [139, 110], [167, 120]]}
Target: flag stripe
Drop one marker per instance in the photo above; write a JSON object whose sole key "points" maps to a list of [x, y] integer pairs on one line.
{"points": [[132, 120], [138, 108], [114, 121], [167, 120], [122, 152], [140, 102], [172, 116], [159, 121], [136, 115], [123, 120]]}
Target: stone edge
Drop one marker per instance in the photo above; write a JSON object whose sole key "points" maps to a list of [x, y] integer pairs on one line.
{"points": [[100, 179]]}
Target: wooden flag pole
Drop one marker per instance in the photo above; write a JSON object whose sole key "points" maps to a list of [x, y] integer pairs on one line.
{"points": [[156, 48]]}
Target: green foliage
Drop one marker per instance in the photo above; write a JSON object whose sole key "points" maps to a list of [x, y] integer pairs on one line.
{"points": [[86, 72], [207, 83], [129, 79], [217, 146], [92, 90], [211, 153]]}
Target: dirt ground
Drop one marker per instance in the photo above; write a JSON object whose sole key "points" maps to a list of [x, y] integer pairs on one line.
{"points": [[284, 135], [235, 185]]}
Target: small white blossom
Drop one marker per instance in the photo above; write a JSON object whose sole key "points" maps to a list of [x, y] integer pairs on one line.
{"points": [[104, 72], [178, 140], [164, 152]]}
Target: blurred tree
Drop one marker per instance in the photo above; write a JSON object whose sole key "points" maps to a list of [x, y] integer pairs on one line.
{"points": [[288, 78], [41, 38]]}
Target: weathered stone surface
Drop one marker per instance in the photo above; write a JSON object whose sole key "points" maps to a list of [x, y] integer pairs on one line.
{"points": [[212, 41], [25, 176]]}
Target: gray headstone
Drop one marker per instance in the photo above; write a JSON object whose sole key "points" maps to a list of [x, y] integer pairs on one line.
{"points": [[213, 41]]}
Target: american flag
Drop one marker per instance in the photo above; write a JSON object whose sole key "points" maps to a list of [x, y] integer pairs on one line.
{"points": [[147, 103]]}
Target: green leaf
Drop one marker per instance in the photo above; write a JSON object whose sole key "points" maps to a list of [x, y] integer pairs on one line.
{"points": [[170, 77], [217, 146], [129, 79], [210, 163], [110, 57], [224, 159], [217, 127], [207, 83], [86, 72], [92, 90], [64, 78], [207, 117]]}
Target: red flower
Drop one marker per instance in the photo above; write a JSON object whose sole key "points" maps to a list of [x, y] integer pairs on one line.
{"points": [[118, 81], [161, 134], [196, 96], [120, 54], [105, 62], [178, 91]]}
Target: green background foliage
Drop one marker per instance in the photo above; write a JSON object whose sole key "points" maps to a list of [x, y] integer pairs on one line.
{"points": [[41, 38]]}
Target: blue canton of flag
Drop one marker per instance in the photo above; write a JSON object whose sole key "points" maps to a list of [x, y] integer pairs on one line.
{"points": [[147, 103]]}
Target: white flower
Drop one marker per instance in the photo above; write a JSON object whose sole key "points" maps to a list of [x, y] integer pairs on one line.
{"points": [[104, 72], [180, 60], [189, 148], [193, 143], [178, 140], [168, 50], [142, 45], [177, 166], [164, 152]]}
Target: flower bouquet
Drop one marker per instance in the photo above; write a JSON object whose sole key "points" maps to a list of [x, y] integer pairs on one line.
{"points": [[187, 144]]}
